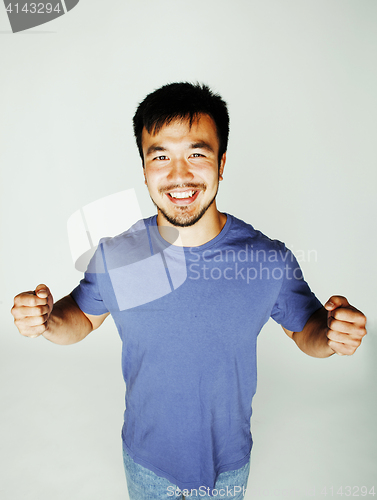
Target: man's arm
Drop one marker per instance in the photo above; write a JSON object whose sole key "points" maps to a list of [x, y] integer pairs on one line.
{"points": [[337, 327], [63, 323]]}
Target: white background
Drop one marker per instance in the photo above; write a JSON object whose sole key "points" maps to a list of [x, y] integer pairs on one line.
{"points": [[300, 78]]}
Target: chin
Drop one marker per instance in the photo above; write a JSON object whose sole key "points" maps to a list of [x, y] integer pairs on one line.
{"points": [[185, 219], [182, 220]]}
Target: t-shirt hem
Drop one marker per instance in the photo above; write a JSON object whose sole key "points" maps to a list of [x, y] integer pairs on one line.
{"points": [[235, 465], [188, 485]]}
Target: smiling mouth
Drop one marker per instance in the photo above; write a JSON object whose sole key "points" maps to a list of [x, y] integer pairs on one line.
{"points": [[183, 197]]}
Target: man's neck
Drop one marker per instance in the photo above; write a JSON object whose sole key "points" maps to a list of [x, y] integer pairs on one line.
{"points": [[206, 229]]}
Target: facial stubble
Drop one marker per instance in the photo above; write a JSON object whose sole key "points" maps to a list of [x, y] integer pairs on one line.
{"points": [[184, 219]]}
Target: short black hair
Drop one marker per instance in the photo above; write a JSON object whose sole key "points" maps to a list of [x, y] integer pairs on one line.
{"points": [[181, 101]]}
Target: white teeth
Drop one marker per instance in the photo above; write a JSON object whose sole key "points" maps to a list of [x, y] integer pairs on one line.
{"points": [[186, 194]]}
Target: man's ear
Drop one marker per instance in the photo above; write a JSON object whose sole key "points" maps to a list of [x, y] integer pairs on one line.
{"points": [[221, 167]]}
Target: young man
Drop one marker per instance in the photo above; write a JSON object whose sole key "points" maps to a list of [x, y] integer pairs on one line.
{"points": [[189, 291]]}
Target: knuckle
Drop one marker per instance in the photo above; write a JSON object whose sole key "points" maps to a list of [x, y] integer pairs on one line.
{"points": [[335, 314], [42, 328], [20, 324], [23, 331], [40, 310], [39, 320], [37, 311], [17, 299], [331, 335], [353, 343], [361, 332], [43, 319], [36, 331], [331, 322], [21, 299]]}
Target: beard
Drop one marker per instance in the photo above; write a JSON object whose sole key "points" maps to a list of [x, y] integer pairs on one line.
{"points": [[183, 218]]}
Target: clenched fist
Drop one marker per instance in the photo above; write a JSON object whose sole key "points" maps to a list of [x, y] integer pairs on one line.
{"points": [[346, 325], [31, 311]]}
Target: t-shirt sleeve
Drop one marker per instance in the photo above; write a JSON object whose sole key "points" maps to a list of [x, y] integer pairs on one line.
{"points": [[87, 294], [295, 302]]}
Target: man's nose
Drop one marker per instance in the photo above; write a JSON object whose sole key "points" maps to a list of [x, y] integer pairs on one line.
{"points": [[180, 171]]}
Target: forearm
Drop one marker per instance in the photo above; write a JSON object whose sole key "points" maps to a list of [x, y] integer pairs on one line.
{"points": [[312, 340], [67, 324]]}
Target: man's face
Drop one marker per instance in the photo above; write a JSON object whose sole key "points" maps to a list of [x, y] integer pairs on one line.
{"points": [[181, 169]]}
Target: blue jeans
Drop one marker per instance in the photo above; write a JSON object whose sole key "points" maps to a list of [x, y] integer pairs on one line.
{"points": [[143, 484]]}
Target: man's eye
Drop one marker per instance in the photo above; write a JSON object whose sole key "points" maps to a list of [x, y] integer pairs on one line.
{"points": [[162, 157], [196, 155]]}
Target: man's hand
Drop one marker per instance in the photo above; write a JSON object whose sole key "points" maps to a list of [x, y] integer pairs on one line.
{"points": [[31, 311], [346, 326]]}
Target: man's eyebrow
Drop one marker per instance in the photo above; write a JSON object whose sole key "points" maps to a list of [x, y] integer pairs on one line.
{"points": [[154, 148], [201, 145]]}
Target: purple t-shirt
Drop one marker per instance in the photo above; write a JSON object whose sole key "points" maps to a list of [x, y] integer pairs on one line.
{"points": [[189, 319]]}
